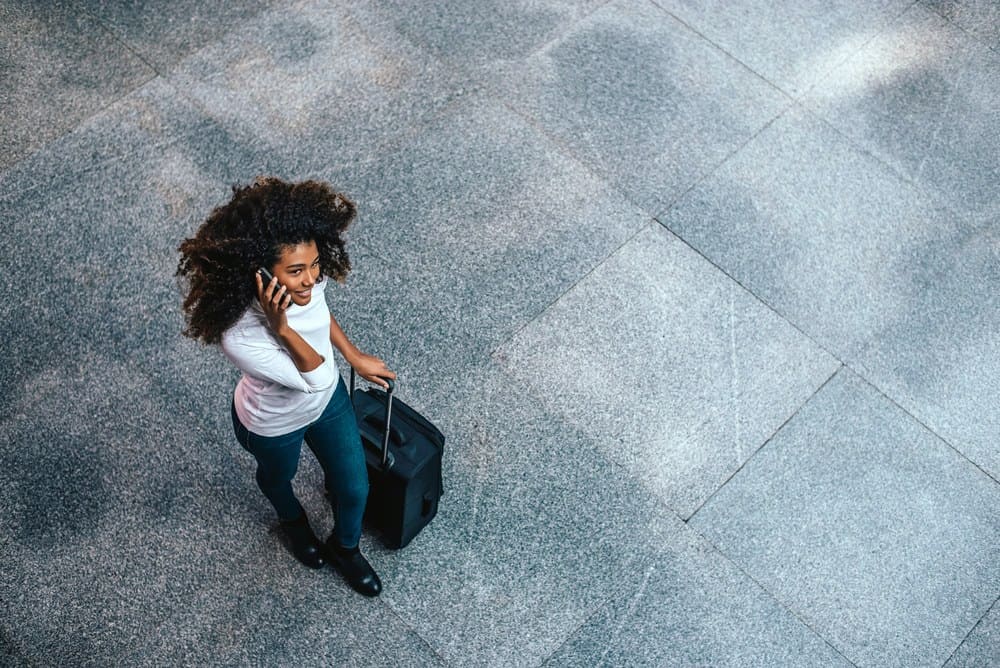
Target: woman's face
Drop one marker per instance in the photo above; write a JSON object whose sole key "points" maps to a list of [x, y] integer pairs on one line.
{"points": [[298, 270]]}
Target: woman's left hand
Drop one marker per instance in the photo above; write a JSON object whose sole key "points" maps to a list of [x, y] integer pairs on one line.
{"points": [[372, 369]]}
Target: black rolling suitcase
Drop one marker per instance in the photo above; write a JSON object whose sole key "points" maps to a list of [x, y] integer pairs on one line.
{"points": [[403, 453]]}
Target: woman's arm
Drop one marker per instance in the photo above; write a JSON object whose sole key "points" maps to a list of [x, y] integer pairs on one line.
{"points": [[370, 368], [275, 301], [305, 356]]}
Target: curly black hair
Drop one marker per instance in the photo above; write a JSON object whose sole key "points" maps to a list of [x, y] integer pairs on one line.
{"points": [[249, 232]]}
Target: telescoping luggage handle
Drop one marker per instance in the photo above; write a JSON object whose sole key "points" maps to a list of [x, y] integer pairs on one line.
{"points": [[388, 418]]}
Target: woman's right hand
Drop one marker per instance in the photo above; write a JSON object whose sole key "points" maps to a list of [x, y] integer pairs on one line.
{"points": [[275, 300]]}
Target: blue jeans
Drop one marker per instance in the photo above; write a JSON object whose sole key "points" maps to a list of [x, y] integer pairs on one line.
{"points": [[335, 441]]}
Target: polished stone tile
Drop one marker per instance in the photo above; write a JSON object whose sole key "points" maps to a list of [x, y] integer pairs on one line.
{"points": [[938, 359], [58, 68], [136, 530], [829, 237], [673, 368], [692, 607], [314, 85], [479, 224], [164, 32], [300, 618], [878, 271], [467, 36], [878, 535], [980, 17], [922, 97], [790, 45], [115, 504], [9, 652], [108, 256], [643, 100], [537, 530], [982, 647], [140, 131], [133, 532]]}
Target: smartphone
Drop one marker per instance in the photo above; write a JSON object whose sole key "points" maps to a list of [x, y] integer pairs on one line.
{"points": [[266, 275]]}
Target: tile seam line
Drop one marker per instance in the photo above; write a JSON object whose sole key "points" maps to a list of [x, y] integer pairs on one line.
{"points": [[392, 610], [800, 103], [599, 607], [96, 165], [650, 222], [967, 635], [777, 601], [766, 442], [121, 40], [960, 27], [71, 128], [115, 37], [156, 74], [559, 34], [270, 5], [491, 91], [889, 19], [619, 590], [391, 146], [656, 4], [567, 151], [711, 171], [920, 422], [937, 196], [719, 267]]}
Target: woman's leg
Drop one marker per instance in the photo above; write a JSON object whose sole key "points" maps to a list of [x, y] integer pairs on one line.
{"points": [[277, 460], [335, 441]]}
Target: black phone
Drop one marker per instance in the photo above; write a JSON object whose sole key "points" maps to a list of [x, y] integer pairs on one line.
{"points": [[266, 275]]}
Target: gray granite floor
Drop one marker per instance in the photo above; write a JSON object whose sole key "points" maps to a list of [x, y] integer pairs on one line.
{"points": [[704, 296]]}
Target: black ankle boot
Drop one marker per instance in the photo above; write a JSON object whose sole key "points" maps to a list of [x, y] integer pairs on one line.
{"points": [[305, 545], [354, 567]]}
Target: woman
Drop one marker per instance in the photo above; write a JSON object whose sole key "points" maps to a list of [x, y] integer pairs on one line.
{"points": [[279, 332]]}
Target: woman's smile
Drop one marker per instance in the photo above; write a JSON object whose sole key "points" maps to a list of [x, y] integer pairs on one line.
{"points": [[298, 269]]}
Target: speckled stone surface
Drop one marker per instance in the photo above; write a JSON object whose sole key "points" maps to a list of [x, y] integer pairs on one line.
{"points": [[982, 647], [466, 35], [538, 529], [832, 239], [642, 99], [790, 45], [692, 607], [930, 112], [597, 377], [313, 88], [478, 224], [57, 67], [883, 539], [681, 377], [939, 358], [980, 17], [163, 33], [883, 274]]}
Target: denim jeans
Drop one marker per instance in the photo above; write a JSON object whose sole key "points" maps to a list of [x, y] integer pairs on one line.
{"points": [[335, 441]]}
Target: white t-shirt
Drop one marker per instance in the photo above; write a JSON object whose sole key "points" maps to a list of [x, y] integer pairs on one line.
{"points": [[273, 397]]}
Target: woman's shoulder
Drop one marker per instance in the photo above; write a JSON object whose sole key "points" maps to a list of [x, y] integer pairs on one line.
{"points": [[251, 326]]}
